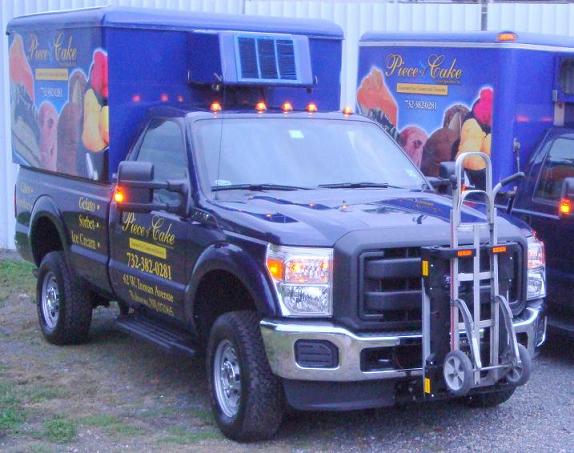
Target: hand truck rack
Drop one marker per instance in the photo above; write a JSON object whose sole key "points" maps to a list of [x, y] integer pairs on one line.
{"points": [[469, 340]]}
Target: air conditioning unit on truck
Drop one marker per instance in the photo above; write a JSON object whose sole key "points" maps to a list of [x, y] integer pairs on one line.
{"points": [[509, 95], [196, 169]]}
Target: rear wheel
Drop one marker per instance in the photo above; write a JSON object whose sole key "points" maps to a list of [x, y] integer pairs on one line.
{"points": [[246, 398], [64, 305]]}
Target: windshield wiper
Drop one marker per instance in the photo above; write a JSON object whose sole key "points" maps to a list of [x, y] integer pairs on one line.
{"points": [[257, 187], [355, 185]]}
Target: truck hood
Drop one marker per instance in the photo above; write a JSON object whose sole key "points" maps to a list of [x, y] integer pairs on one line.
{"points": [[321, 217]]}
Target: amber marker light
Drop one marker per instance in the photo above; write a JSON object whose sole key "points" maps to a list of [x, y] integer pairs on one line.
{"points": [[506, 36], [463, 253], [499, 249], [565, 207], [276, 268], [119, 195], [312, 107], [287, 107], [215, 107], [260, 107], [347, 110]]}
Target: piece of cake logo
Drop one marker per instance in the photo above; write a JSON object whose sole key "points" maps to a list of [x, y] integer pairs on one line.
{"points": [[437, 67], [60, 50]]}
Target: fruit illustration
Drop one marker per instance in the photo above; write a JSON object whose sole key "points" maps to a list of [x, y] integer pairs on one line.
{"points": [[20, 71], [413, 139], [99, 73], [91, 136], [376, 101], [476, 130], [105, 124]]}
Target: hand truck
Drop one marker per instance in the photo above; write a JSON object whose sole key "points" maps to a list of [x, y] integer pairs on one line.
{"points": [[468, 336]]}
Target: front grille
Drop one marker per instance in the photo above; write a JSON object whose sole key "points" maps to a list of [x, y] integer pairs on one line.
{"points": [[390, 291]]}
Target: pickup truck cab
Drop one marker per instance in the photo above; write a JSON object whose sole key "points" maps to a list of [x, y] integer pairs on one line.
{"points": [[282, 240]]}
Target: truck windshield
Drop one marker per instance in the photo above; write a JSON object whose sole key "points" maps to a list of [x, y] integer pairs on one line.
{"points": [[299, 153]]}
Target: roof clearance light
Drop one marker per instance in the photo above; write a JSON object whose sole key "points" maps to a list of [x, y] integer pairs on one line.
{"points": [[506, 36], [180, 98], [565, 207], [164, 97], [312, 107], [260, 107], [119, 195], [347, 110], [136, 98], [287, 107], [215, 107]]}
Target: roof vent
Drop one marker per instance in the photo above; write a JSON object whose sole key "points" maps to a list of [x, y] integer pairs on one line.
{"points": [[243, 58]]}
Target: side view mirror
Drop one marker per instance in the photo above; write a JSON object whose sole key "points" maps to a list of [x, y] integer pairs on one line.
{"points": [[443, 182], [566, 204], [136, 185]]}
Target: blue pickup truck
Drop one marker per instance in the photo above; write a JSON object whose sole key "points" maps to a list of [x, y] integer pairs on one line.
{"points": [[196, 169], [510, 95]]}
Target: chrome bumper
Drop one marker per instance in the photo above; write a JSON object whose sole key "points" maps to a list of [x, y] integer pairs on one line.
{"points": [[280, 337]]}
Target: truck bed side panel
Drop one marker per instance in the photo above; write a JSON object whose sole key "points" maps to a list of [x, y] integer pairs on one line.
{"points": [[78, 209]]}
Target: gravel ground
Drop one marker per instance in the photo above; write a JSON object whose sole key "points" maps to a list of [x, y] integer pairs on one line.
{"points": [[116, 393]]}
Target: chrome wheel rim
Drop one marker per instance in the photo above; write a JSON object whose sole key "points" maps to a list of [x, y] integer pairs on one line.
{"points": [[50, 300], [227, 378], [454, 373]]}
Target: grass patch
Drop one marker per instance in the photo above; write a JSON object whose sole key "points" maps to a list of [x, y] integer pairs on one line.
{"points": [[111, 424], [181, 436], [60, 430], [11, 412], [16, 278]]}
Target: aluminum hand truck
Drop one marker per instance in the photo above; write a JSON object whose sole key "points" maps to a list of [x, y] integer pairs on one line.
{"points": [[469, 340]]}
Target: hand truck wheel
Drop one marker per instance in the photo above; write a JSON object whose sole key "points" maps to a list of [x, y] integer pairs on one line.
{"points": [[457, 373], [520, 374]]}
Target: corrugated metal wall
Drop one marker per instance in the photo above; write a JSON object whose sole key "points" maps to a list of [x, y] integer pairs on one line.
{"points": [[355, 16]]}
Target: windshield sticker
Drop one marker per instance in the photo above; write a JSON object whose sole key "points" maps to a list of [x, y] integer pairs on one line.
{"points": [[296, 134]]}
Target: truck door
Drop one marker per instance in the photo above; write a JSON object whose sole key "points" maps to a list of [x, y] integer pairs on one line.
{"points": [[537, 204], [148, 264]]}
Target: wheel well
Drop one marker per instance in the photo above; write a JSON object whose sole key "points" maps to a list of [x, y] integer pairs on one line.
{"points": [[45, 239], [218, 292]]}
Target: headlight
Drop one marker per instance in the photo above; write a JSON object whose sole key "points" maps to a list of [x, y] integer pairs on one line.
{"points": [[303, 279], [536, 269]]}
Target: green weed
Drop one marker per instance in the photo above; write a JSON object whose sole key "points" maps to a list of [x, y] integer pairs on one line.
{"points": [[60, 430]]}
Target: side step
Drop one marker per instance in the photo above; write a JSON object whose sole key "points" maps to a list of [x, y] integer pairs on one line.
{"points": [[170, 340]]}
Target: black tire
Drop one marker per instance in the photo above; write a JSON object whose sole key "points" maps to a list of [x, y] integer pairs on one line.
{"points": [[74, 315], [261, 402], [482, 400], [457, 373]]}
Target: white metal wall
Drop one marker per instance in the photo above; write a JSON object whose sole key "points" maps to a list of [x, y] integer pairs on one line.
{"points": [[354, 16]]}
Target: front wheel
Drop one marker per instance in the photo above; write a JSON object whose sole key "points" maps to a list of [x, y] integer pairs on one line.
{"points": [[246, 398]]}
